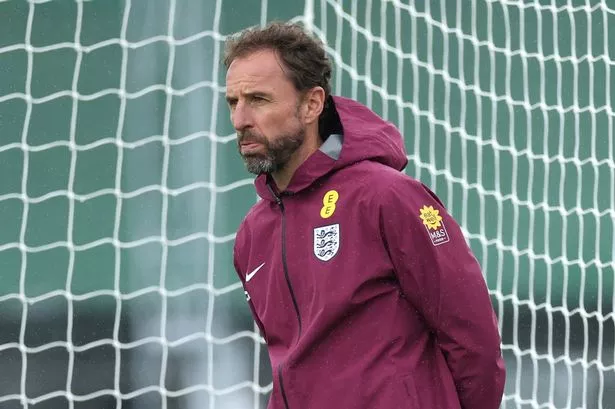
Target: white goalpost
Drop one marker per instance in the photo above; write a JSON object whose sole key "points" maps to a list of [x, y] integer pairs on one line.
{"points": [[121, 188]]}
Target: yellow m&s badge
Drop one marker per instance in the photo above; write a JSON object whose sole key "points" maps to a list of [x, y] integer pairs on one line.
{"points": [[433, 221], [328, 202]]}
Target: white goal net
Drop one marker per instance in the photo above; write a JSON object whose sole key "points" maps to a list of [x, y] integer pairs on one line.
{"points": [[121, 188]]}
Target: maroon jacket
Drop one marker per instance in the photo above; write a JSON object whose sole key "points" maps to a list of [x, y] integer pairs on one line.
{"points": [[363, 285]]}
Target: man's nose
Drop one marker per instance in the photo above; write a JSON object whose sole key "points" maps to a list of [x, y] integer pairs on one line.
{"points": [[241, 117]]}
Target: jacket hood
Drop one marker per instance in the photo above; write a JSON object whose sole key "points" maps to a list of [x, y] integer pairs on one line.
{"points": [[352, 133]]}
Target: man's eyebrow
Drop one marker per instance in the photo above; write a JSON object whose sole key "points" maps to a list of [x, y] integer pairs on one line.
{"points": [[255, 93]]}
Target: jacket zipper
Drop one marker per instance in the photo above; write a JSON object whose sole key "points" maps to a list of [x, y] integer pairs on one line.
{"points": [[280, 203], [282, 387], [285, 265]]}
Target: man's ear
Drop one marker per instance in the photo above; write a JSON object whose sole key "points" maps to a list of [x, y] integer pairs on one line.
{"points": [[313, 104]]}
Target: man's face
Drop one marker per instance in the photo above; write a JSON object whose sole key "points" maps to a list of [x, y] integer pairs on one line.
{"points": [[264, 107]]}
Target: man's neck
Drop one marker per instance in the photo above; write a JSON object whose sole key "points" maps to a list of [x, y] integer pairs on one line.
{"points": [[283, 176]]}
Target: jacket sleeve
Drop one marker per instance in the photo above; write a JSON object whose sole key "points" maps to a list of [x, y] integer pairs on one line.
{"points": [[442, 279]]}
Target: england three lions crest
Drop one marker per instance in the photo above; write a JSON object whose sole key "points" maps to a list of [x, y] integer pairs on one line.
{"points": [[326, 241]]}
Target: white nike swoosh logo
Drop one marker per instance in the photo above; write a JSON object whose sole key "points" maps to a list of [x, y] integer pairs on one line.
{"points": [[249, 276]]}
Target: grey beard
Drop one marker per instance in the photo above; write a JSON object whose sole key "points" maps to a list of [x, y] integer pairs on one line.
{"points": [[257, 165], [278, 154]]}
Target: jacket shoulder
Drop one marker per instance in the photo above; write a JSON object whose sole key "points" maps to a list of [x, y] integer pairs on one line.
{"points": [[381, 177], [382, 182]]}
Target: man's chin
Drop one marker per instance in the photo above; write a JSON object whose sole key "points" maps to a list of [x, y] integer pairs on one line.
{"points": [[257, 165]]}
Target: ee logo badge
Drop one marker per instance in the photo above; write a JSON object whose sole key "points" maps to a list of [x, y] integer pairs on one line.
{"points": [[328, 202]]}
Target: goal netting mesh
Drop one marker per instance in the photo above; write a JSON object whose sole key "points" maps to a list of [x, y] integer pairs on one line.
{"points": [[121, 188]]}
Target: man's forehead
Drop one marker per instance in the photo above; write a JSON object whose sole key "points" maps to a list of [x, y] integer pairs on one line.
{"points": [[257, 67]]}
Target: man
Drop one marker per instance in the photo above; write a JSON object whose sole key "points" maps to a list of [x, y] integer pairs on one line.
{"points": [[360, 281]]}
